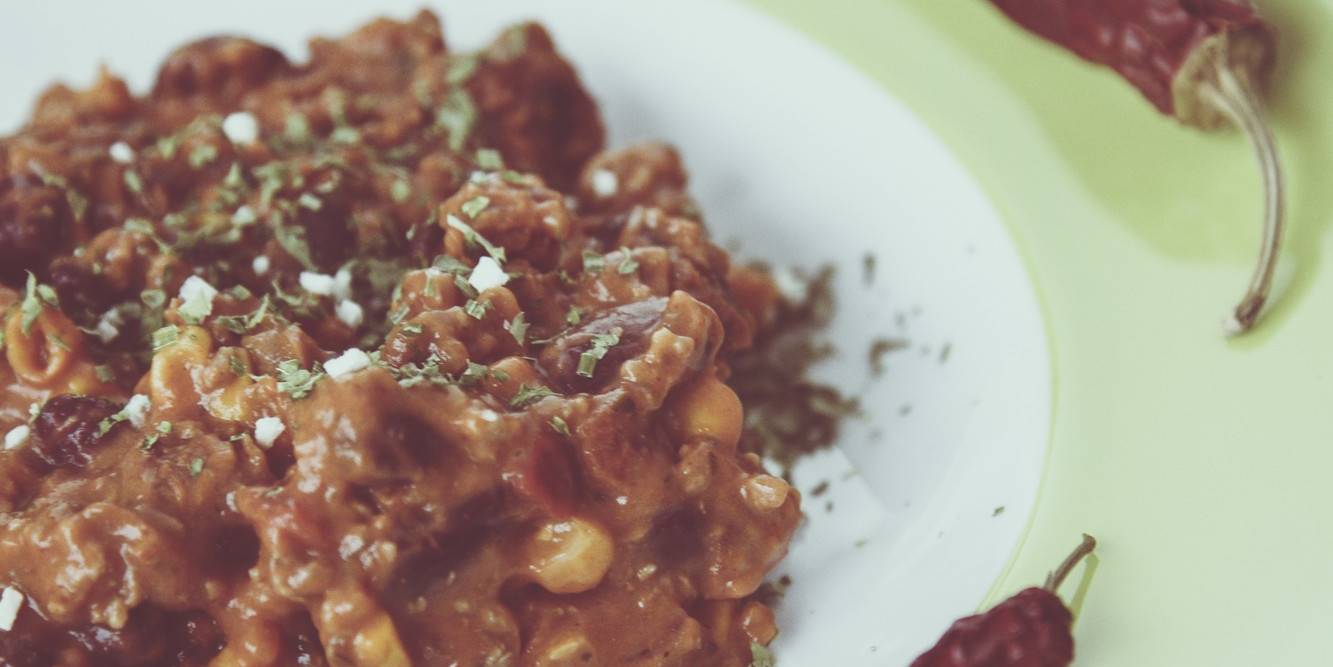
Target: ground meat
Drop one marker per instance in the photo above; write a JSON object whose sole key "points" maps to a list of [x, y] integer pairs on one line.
{"points": [[359, 362]]}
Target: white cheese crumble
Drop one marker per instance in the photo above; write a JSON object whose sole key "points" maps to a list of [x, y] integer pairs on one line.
{"points": [[605, 183], [322, 284], [121, 152], [136, 410], [11, 601], [261, 264], [244, 215], [108, 326], [342, 283], [347, 363], [487, 274], [17, 436], [241, 127], [350, 313], [267, 430], [198, 295]]}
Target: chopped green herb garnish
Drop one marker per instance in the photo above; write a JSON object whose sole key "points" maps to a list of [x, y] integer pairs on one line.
{"points": [[518, 328], [490, 159], [196, 467], [36, 298], [460, 69], [475, 373], [345, 135], [202, 155], [458, 115], [133, 181], [234, 179], [78, 204], [473, 238], [401, 191], [242, 324], [601, 344], [59, 342], [307, 200], [474, 206], [412, 329], [452, 265], [465, 287], [627, 265], [153, 298], [297, 128], [593, 261], [559, 426], [527, 395], [760, 656], [238, 365], [165, 336], [167, 146], [104, 373], [292, 239], [162, 428], [296, 381], [574, 316], [476, 309]]}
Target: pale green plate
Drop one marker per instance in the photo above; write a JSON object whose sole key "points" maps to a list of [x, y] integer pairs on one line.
{"points": [[1201, 464]]}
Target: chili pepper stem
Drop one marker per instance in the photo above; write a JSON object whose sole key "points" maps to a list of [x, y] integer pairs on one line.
{"points": [[1054, 579], [1233, 95]]}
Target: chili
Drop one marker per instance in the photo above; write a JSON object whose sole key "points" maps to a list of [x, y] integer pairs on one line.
{"points": [[1199, 61], [1031, 629]]}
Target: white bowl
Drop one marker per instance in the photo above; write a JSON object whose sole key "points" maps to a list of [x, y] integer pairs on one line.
{"points": [[805, 161]]}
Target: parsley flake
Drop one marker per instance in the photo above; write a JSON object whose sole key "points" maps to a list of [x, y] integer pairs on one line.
{"points": [[574, 316], [527, 395], [238, 365], [162, 428], [474, 206], [458, 116], [165, 337], [401, 191], [601, 344], [559, 426], [134, 182], [473, 238], [297, 128], [460, 70], [196, 467], [593, 261], [490, 159], [451, 265], [296, 381], [476, 309], [36, 298], [475, 373], [202, 155], [627, 265], [518, 328], [760, 656]]}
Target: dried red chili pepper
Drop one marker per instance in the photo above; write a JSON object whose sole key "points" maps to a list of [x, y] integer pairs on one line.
{"points": [[1030, 629], [1200, 61]]}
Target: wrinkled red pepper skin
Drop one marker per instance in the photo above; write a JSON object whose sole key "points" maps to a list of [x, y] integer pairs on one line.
{"points": [[1030, 629], [1146, 41]]}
